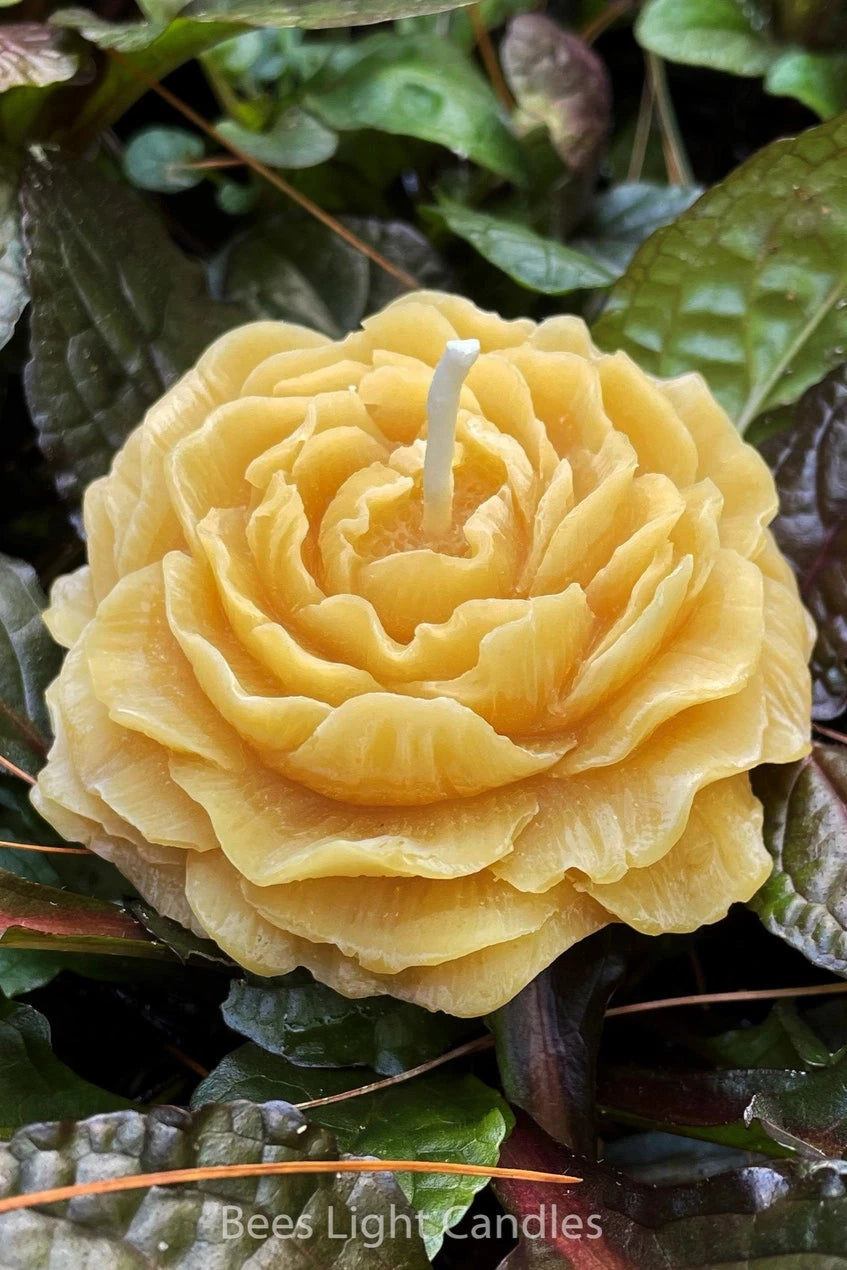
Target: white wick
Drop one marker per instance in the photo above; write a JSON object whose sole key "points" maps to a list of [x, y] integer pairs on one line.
{"points": [[442, 409]]}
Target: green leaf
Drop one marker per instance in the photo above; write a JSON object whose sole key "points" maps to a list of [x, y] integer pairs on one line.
{"points": [[804, 901], [118, 313], [295, 140], [33, 55], [811, 527], [312, 1026], [623, 216], [155, 159], [548, 1036], [444, 1117], [818, 80], [783, 1039], [295, 269], [559, 81], [187, 947], [725, 35], [764, 1217], [13, 286], [199, 1224], [539, 264], [749, 286], [416, 86], [315, 13], [29, 660], [34, 1084]]}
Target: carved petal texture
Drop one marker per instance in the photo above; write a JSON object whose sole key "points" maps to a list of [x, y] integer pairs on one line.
{"points": [[423, 767]]}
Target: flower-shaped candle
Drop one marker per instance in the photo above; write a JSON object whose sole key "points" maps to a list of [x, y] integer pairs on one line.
{"points": [[419, 712]]}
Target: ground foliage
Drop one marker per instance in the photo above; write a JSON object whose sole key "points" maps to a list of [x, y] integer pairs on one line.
{"points": [[675, 171]]}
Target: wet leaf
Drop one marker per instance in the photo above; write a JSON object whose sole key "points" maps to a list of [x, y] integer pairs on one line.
{"points": [[804, 901], [416, 86], [558, 81], [312, 1026], [200, 1221], [438, 1117], [811, 1118], [749, 286], [548, 1036], [808, 462], [34, 55], [118, 313], [537, 263], [29, 660], [766, 1216]]}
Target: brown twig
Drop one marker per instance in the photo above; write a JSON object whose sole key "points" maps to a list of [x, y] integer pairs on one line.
{"points": [[273, 178], [676, 160], [211, 164], [490, 60], [273, 1168], [188, 1061], [643, 124], [831, 733], [36, 846], [719, 998], [472, 1047], [14, 770]]}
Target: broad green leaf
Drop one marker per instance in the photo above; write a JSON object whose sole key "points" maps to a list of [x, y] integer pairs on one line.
{"points": [[624, 215], [294, 268], [13, 286], [29, 660], [549, 1034], [205, 1223], [804, 901], [539, 264], [444, 1117], [34, 1084], [818, 80], [315, 13], [783, 1039], [156, 158], [768, 1216], [312, 1026], [295, 140], [725, 35], [118, 313], [33, 55], [749, 286], [416, 86], [811, 527], [558, 81]]}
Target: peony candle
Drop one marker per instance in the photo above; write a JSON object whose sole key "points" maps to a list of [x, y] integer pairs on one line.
{"points": [[426, 765]]}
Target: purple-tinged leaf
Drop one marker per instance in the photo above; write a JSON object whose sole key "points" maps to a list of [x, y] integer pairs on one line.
{"points": [[809, 463], [804, 901]]}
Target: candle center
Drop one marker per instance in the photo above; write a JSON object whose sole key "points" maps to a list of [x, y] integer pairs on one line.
{"points": [[442, 409]]}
